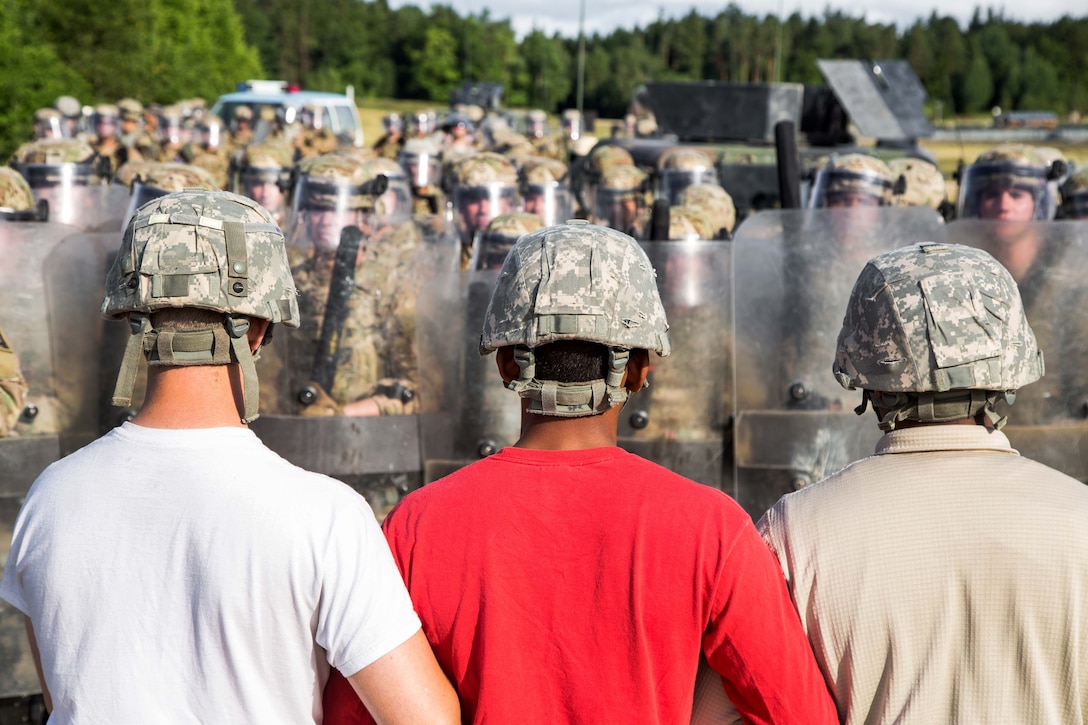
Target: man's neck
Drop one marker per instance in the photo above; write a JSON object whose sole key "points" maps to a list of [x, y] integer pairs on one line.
{"points": [[203, 396], [552, 433]]}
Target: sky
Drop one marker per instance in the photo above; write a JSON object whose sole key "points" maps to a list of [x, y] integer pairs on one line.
{"points": [[604, 16]]}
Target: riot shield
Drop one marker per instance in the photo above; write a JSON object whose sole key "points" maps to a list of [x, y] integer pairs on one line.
{"points": [[683, 420], [364, 428], [793, 273], [50, 294], [1048, 421], [94, 208], [467, 413]]}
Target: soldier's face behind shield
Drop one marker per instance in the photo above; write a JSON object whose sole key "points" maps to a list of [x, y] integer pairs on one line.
{"points": [[323, 226], [268, 194], [1014, 204], [850, 199], [478, 205]]}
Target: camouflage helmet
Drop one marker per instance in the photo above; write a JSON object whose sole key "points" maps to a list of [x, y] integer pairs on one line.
{"points": [[1012, 167], [243, 113], [150, 180], [575, 281], [325, 181], [688, 223], [268, 154], [106, 112], [130, 171], [47, 123], [396, 201], [543, 170], [936, 332], [622, 178], [682, 167], [925, 184], [685, 157], [50, 162], [210, 250], [56, 151], [1075, 195], [130, 109], [68, 106], [865, 178], [500, 236], [604, 157], [486, 167], [715, 204], [15, 193]]}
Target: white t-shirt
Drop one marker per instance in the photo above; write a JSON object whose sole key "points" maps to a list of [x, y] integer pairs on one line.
{"points": [[196, 576]]}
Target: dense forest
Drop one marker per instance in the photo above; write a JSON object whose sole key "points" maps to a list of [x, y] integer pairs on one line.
{"points": [[163, 50]]}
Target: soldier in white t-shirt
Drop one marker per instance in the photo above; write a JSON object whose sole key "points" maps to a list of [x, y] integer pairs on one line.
{"points": [[177, 570]]}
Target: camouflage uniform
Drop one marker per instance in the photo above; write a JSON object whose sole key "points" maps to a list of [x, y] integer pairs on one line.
{"points": [[12, 387], [107, 144], [138, 142], [391, 142], [241, 134], [421, 159], [211, 152], [376, 355], [264, 175]]}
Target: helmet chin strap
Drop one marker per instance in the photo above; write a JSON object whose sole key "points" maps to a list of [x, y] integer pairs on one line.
{"points": [[943, 407], [570, 400], [219, 345]]}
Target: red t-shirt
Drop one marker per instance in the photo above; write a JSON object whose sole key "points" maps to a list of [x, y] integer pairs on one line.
{"points": [[579, 586]]}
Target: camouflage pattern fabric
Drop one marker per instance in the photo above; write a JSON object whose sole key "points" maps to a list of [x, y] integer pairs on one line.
{"points": [[543, 169], [685, 157], [486, 167], [576, 282], [713, 202], [378, 347], [1075, 195], [925, 183], [215, 163], [686, 223], [605, 157], [932, 318], [311, 142], [182, 250], [55, 151], [12, 387], [15, 193], [855, 173], [169, 176]]}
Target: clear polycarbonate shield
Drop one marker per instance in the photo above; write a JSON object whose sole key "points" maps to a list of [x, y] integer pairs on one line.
{"points": [[90, 207], [50, 293], [396, 202], [990, 190], [839, 188], [467, 413], [683, 419], [320, 212], [475, 206], [491, 251], [423, 168], [1048, 421], [793, 272], [341, 394], [551, 201], [674, 181], [616, 208], [269, 187]]}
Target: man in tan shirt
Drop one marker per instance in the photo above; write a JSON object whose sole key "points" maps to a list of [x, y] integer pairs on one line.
{"points": [[944, 579]]}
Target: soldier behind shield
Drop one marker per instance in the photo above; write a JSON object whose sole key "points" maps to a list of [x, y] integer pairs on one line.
{"points": [[916, 571], [375, 371], [12, 387]]}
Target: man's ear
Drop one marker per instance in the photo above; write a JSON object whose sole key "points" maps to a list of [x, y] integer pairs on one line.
{"points": [[255, 335], [638, 367], [508, 366]]}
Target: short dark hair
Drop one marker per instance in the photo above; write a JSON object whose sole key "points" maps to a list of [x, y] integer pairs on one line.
{"points": [[571, 361]]}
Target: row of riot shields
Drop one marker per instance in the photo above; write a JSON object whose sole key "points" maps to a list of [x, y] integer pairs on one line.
{"points": [[746, 402]]}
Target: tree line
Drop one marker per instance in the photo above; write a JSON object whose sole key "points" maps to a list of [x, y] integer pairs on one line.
{"points": [[164, 50]]}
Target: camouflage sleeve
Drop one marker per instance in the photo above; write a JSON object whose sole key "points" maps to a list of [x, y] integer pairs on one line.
{"points": [[12, 387]]}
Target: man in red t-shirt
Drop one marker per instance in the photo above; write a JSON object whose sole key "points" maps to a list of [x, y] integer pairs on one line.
{"points": [[564, 580]]}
